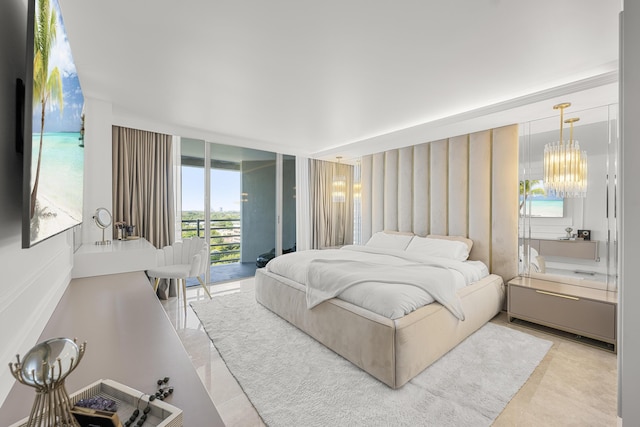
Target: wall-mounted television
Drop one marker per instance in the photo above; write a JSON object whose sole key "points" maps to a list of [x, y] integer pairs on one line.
{"points": [[53, 128]]}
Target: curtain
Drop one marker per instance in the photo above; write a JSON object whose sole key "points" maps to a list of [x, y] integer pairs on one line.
{"points": [[143, 183], [332, 204], [177, 187]]}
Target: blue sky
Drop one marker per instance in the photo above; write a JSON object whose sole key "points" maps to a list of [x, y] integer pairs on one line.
{"points": [[73, 99], [225, 189]]}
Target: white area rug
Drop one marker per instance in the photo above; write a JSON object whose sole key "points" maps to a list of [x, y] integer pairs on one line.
{"points": [[292, 380]]}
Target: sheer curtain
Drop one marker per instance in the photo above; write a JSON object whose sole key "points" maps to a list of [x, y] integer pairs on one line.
{"points": [[143, 183], [331, 204]]}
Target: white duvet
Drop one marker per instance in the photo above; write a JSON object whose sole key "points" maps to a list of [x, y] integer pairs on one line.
{"points": [[391, 283]]}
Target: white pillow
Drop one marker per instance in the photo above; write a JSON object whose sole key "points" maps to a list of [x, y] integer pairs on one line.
{"points": [[462, 239], [451, 249], [385, 240]]}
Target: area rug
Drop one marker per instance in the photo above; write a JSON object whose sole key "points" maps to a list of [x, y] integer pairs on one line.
{"points": [[292, 380]]}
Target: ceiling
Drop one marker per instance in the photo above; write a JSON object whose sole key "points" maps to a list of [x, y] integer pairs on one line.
{"points": [[337, 77]]}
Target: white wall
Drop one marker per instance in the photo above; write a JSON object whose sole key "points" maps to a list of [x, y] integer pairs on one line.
{"points": [[33, 280], [98, 170], [629, 349]]}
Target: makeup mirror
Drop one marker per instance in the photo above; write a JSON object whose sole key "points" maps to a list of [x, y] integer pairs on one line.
{"points": [[102, 218]]}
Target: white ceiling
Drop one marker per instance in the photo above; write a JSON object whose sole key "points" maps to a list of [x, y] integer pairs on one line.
{"points": [[340, 77]]}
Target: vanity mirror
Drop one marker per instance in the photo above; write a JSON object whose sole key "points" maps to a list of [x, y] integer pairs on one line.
{"points": [[569, 234], [102, 218]]}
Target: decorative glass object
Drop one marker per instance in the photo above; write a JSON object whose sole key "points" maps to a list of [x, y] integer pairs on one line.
{"points": [[45, 368], [568, 230]]}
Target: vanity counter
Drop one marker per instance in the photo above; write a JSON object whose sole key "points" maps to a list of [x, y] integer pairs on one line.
{"points": [[120, 256], [129, 340]]}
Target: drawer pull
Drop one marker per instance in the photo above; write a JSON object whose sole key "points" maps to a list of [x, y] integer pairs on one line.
{"points": [[558, 295]]}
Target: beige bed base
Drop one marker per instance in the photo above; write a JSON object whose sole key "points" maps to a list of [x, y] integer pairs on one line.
{"points": [[393, 351]]}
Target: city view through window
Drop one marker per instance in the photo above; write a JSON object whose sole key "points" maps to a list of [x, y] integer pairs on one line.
{"points": [[225, 211]]}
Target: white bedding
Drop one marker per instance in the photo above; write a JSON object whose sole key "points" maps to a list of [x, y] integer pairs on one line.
{"points": [[382, 293]]}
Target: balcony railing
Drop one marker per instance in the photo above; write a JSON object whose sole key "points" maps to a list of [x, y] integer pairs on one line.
{"points": [[226, 235]]}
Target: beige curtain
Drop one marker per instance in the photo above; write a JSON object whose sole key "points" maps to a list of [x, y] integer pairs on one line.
{"points": [[331, 204], [143, 183]]}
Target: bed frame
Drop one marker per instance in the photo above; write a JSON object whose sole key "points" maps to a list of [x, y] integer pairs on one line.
{"points": [[468, 186], [393, 351]]}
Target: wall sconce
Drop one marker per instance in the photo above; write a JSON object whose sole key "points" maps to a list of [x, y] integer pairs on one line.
{"points": [[339, 187], [338, 194], [356, 190]]}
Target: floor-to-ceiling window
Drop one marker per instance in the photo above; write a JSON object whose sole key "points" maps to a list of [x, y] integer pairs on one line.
{"points": [[224, 201], [192, 201], [246, 178], [229, 197]]}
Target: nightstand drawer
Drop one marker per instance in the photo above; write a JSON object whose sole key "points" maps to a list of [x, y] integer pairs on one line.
{"points": [[595, 319]]}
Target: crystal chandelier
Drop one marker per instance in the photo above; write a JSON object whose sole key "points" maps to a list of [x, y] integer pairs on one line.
{"points": [[565, 165]]}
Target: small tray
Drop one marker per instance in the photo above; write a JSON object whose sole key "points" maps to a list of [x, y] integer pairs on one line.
{"points": [[162, 414]]}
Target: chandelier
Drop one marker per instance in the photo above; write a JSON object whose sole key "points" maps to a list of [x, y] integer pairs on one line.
{"points": [[565, 165]]}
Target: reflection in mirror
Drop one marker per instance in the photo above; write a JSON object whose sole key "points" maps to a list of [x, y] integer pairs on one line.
{"points": [[570, 239]]}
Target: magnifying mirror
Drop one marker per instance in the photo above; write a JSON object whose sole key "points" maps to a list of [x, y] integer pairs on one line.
{"points": [[103, 219]]}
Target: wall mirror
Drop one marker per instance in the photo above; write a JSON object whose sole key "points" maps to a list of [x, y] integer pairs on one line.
{"points": [[570, 239]]}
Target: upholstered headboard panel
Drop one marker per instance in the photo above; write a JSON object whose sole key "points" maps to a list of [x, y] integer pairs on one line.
{"points": [[466, 185]]}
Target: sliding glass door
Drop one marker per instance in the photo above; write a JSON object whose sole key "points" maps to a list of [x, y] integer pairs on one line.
{"points": [[230, 197], [288, 203], [242, 196], [192, 201]]}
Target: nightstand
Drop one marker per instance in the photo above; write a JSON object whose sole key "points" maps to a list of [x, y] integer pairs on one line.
{"points": [[586, 314]]}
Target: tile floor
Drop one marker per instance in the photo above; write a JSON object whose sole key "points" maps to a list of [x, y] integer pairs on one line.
{"points": [[227, 273], [574, 385]]}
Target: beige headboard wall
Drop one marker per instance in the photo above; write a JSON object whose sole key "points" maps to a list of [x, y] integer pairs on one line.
{"points": [[466, 185]]}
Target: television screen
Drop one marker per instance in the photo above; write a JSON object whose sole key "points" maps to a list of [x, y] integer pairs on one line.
{"points": [[54, 129], [539, 202]]}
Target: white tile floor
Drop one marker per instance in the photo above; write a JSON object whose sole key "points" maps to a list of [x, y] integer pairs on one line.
{"points": [[231, 402], [573, 385]]}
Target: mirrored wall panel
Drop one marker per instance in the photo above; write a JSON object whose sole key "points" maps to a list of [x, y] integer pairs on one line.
{"points": [[568, 221]]}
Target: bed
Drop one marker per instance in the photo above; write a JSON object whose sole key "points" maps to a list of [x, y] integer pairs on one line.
{"points": [[391, 328], [461, 186]]}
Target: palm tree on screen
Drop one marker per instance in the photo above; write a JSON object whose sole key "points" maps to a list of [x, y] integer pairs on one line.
{"points": [[47, 85]]}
